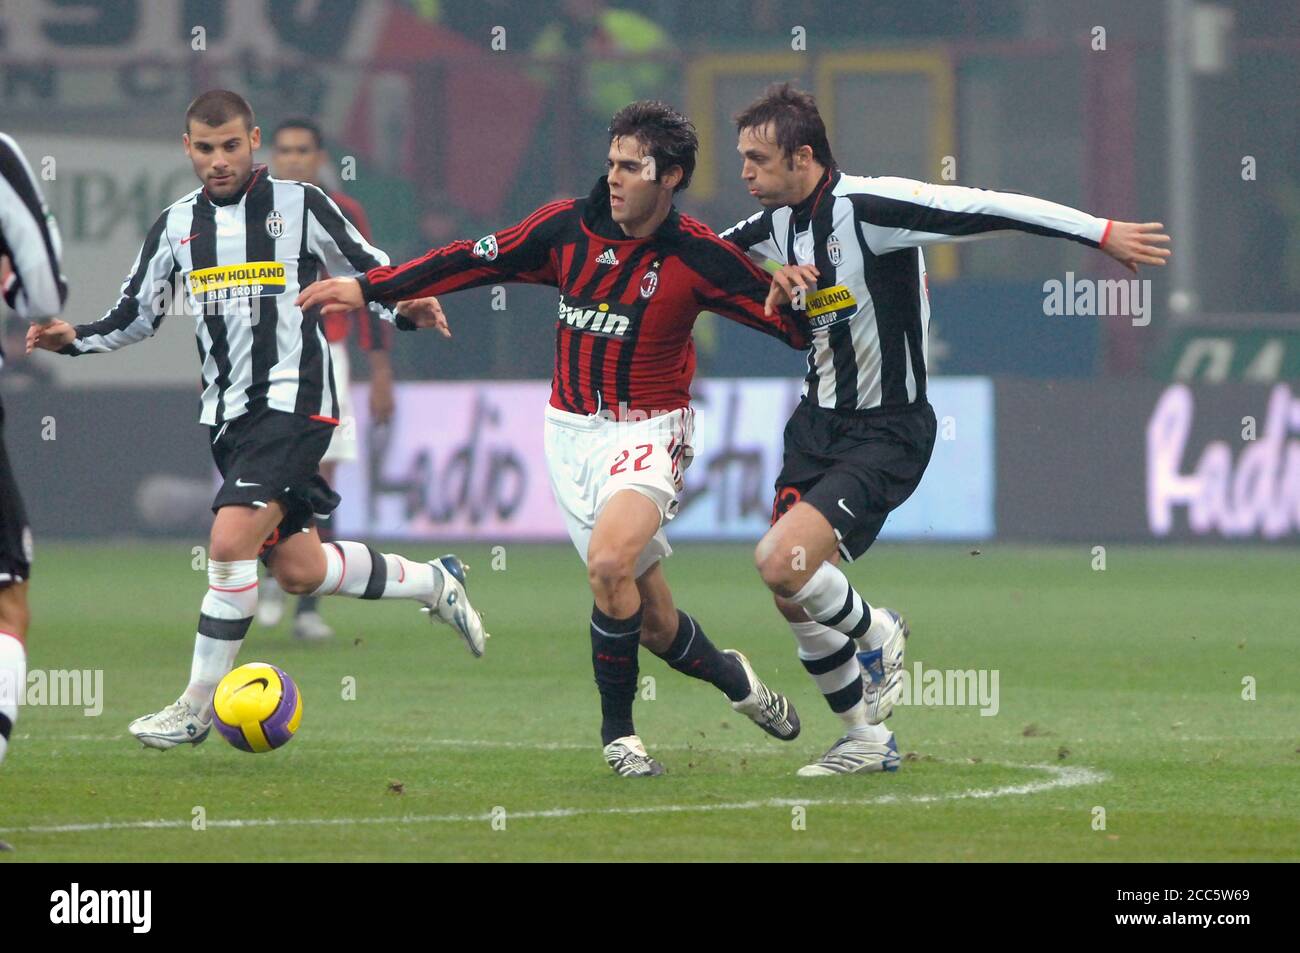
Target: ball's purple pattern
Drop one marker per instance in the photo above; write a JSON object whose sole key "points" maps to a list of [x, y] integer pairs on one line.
{"points": [[275, 727]]}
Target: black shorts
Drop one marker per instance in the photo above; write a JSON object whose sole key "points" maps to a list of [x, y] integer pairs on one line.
{"points": [[15, 534], [854, 467], [268, 455]]}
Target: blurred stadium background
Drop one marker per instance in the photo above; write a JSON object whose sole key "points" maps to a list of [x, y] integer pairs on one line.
{"points": [[448, 120]]}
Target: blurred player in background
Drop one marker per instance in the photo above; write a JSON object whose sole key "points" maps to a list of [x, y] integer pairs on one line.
{"points": [[859, 441], [240, 248], [633, 275], [298, 154], [34, 287]]}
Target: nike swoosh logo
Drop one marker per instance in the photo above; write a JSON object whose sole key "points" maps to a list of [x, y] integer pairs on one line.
{"points": [[265, 684], [191, 238], [242, 483], [846, 509]]}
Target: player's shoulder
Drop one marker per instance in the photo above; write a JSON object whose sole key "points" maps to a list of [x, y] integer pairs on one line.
{"points": [[561, 208], [14, 167], [750, 231], [183, 203], [9, 145], [308, 191], [886, 186], [550, 221], [694, 230], [349, 206], [695, 234], [701, 242]]}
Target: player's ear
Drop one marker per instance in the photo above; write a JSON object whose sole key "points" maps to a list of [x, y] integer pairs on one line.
{"points": [[185, 141], [672, 178], [255, 137]]}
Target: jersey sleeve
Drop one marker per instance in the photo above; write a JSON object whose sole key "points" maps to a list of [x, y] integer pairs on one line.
{"points": [[373, 333], [895, 213], [146, 294], [524, 252], [341, 248], [753, 236], [731, 285], [36, 288]]}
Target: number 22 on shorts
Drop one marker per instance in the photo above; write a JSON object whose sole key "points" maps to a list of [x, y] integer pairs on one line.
{"points": [[643, 453]]}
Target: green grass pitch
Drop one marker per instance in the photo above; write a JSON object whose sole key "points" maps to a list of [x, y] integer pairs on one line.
{"points": [[1119, 689]]}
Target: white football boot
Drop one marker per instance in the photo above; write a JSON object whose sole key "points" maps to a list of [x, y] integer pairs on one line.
{"points": [[628, 757], [882, 670], [270, 602], [770, 710], [177, 724], [453, 606], [852, 756], [311, 627]]}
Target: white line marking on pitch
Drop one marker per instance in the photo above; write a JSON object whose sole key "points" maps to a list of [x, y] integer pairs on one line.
{"points": [[1060, 777]]}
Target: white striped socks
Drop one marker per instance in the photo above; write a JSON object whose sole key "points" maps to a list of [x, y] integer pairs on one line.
{"points": [[357, 570], [828, 598]]}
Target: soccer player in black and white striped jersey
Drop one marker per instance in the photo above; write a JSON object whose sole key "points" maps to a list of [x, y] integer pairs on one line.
{"points": [[35, 289], [242, 245], [859, 441]]}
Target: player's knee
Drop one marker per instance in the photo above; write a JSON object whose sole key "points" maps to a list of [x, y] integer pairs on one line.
{"points": [[608, 570], [296, 579], [14, 617], [224, 548], [776, 564]]}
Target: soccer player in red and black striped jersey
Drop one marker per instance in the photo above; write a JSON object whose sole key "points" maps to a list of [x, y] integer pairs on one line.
{"points": [[633, 274], [298, 153]]}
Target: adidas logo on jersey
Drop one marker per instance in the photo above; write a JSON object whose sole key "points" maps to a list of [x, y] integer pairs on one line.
{"points": [[606, 257]]}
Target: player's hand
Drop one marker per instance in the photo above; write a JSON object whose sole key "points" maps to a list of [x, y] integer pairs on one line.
{"points": [[425, 313], [785, 281], [1136, 243], [381, 394], [333, 295], [52, 336]]}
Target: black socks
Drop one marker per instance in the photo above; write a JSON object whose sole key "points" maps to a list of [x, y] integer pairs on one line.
{"points": [[693, 654], [614, 645]]}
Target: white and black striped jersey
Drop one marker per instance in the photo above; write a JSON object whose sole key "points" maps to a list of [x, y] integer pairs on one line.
{"points": [[29, 238], [239, 264], [870, 314]]}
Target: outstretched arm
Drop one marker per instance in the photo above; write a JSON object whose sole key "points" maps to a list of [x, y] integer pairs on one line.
{"points": [[146, 295], [895, 213], [522, 253], [731, 285]]}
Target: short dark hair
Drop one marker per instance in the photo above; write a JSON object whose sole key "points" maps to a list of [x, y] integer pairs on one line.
{"points": [[668, 137], [217, 107], [298, 122], [794, 118]]}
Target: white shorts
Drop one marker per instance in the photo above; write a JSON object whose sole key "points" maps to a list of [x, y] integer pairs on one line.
{"points": [[343, 445], [590, 458]]}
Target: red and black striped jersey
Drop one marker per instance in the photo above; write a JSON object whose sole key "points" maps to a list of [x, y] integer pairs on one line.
{"points": [[626, 307]]}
